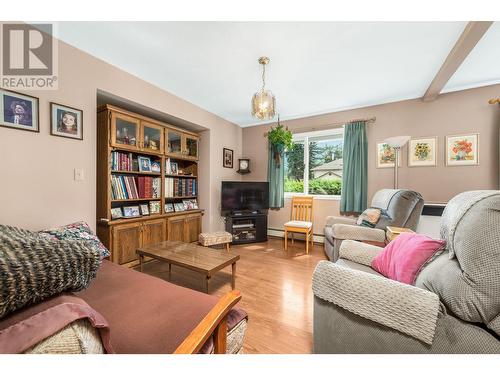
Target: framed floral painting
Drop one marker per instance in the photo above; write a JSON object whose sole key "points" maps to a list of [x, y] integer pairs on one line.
{"points": [[422, 152], [462, 149], [386, 155]]}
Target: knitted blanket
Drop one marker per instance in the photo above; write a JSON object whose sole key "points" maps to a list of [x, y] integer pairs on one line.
{"points": [[35, 267]]}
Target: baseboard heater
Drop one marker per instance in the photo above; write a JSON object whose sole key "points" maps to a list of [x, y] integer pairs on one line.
{"points": [[273, 232]]}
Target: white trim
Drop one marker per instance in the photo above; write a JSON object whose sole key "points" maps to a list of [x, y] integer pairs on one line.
{"points": [[318, 133], [289, 195], [318, 238]]}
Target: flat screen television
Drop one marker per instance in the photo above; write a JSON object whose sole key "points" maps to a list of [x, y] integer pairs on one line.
{"points": [[244, 196]]}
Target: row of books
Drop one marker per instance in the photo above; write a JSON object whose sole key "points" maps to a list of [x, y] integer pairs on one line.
{"points": [[122, 161], [131, 187], [180, 187]]}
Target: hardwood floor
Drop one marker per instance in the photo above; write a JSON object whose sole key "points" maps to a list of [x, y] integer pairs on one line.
{"points": [[276, 290]]}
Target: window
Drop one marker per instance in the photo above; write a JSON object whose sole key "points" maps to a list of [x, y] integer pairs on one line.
{"points": [[314, 164]]}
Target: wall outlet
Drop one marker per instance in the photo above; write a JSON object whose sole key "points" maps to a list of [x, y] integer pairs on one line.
{"points": [[79, 175]]}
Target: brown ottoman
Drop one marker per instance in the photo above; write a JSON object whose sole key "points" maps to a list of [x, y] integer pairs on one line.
{"points": [[215, 238]]}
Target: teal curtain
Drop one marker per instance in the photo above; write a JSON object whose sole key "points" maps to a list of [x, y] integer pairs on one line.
{"points": [[355, 170], [276, 176]]}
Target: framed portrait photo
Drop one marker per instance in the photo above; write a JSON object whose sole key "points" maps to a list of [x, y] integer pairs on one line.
{"points": [[227, 158], [19, 111], [462, 150], [66, 121], [144, 164], [386, 156], [422, 152]]}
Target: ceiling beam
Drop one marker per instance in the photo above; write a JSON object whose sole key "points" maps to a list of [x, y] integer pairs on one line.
{"points": [[471, 35]]}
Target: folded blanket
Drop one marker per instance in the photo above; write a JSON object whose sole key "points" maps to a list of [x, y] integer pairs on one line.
{"points": [[26, 328], [148, 315]]}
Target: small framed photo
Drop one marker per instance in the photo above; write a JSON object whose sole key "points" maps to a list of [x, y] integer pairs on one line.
{"points": [[19, 111], [174, 168], [116, 213], [188, 205], [462, 150], [154, 207], [144, 164], [227, 158], [66, 121], [131, 211], [422, 152], [386, 156], [169, 207], [179, 207], [155, 166], [144, 209], [195, 204]]}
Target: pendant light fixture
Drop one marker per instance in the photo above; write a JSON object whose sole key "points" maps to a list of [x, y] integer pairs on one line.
{"points": [[263, 101]]}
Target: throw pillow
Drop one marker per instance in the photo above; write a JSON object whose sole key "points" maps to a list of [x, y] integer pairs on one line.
{"points": [[404, 257], [34, 268], [78, 231], [369, 217]]}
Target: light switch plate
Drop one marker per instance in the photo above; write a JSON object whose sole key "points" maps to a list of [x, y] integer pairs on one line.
{"points": [[79, 175]]}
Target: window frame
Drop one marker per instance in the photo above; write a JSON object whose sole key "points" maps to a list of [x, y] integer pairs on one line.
{"points": [[304, 137]]}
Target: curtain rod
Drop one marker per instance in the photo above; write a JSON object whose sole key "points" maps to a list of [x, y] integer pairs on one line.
{"points": [[333, 124]]}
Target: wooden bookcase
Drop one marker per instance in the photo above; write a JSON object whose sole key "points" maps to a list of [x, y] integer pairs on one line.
{"points": [[136, 136]]}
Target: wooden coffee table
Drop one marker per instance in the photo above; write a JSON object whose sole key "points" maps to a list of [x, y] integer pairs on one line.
{"points": [[191, 256]]}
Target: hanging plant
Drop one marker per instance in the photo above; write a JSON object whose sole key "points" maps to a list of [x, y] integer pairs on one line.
{"points": [[280, 139]]}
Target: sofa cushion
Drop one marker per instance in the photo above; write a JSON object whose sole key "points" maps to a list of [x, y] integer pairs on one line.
{"points": [[34, 268], [78, 231], [403, 258], [298, 224]]}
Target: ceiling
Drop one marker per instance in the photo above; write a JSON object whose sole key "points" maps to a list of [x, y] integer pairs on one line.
{"points": [[316, 67]]}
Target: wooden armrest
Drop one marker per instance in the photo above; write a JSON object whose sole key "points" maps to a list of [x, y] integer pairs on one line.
{"points": [[214, 321]]}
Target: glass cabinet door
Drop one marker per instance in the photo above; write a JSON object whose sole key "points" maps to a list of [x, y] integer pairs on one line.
{"points": [[191, 147], [124, 131], [174, 142], [152, 137]]}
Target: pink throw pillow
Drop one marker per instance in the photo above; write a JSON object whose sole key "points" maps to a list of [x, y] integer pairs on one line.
{"points": [[403, 258]]}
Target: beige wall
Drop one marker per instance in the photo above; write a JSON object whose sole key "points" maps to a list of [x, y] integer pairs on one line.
{"points": [[454, 113], [36, 169]]}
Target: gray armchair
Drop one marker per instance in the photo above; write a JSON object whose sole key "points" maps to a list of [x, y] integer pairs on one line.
{"points": [[454, 306], [402, 208]]}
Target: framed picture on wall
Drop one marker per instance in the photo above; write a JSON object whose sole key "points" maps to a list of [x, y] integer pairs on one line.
{"points": [[462, 150], [386, 156], [227, 158], [66, 121], [422, 152], [19, 111]]}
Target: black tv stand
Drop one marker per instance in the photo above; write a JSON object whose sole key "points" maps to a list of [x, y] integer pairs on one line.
{"points": [[247, 226]]}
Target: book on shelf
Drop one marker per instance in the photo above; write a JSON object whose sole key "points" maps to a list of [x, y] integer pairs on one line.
{"points": [[128, 162], [134, 187], [180, 187]]}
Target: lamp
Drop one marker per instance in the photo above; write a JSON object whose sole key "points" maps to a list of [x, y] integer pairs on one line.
{"points": [[263, 101], [397, 143]]}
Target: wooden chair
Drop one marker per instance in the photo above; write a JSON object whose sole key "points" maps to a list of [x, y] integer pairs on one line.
{"points": [[301, 220]]}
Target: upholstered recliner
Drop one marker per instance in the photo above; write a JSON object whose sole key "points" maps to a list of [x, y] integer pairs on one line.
{"points": [[401, 208], [454, 306]]}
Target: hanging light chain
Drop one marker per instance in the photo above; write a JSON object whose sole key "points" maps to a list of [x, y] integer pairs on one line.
{"points": [[263, 76]]}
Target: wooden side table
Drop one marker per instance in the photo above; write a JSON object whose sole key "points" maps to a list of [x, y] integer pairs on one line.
{"points": [[392, 232]]}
